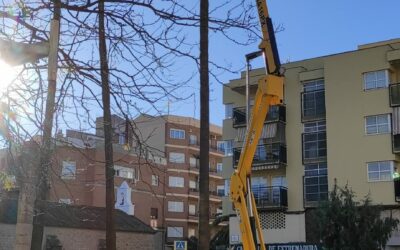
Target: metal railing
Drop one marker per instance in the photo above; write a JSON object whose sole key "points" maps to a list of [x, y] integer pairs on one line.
{"points": [[394, 94], [276, 113], [266, 154], [268, 197]]}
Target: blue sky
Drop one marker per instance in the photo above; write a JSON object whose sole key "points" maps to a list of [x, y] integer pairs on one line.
{"points": [[312, 28]]}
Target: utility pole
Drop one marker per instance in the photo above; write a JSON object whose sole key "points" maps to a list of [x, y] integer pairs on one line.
{"points": [[45, 154], [204, 230]]}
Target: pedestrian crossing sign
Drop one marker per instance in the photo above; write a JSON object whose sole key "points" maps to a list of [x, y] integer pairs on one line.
{"points": [[180, 245]]}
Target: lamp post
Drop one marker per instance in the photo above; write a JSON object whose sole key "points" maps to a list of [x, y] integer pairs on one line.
{"points": [[29, 234]]}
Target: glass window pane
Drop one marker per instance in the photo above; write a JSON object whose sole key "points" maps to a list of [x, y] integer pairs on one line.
{"points": [[383, 128], [372, 130], [374, 176], [385, 176], [373, 167], [384, 166], [370, 120], [382, 119]]}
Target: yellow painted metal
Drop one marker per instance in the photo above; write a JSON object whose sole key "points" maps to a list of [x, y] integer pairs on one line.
{"points": [[269, 92]]}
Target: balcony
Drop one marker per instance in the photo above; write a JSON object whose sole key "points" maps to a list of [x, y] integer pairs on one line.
{"points": [[313, 105], [271, 133], [214, 146], [275, 114], [270, 197], [394, 94], [396, 143], [314, 147], [267, 156], [396, 183]]}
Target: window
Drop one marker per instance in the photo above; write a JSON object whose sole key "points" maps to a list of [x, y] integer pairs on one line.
{"points": [[315, 169], [193, 184], [175, 206], [154, 213], [68, 170], [380, 171], [221, 146], [124, 172], [311, 127], [221, 190], [191, 232], [228, 110], [229, 148], [176, 133], [192, 209], [176, 181], [193, 139], [121, 139], [154, 180], [313, 85], [176, 157], [313, 100], [174, 232], [315, 182], [219, 167], [194, 162], [377, 124], [65, 201], [376, 79], [314, 146]]}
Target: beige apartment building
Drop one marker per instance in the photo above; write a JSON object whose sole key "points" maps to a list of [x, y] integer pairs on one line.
{"points": [[339, 122]]}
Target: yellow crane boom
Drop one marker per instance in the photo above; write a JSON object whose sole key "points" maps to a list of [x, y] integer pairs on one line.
{"points": [[269, 92]]}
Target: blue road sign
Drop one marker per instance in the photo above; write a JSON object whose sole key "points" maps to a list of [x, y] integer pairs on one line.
{"points": [[180, 245]]}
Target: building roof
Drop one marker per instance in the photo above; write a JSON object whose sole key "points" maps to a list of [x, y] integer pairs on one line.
{"points": [[82, 217], [88, 217], [181, 120]]}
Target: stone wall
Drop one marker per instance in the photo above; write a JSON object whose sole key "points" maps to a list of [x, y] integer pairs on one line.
{"points": [[82, 239], [7, 236]]}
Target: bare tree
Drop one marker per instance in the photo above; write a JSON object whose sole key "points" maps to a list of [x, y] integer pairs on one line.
{"points": [[108, 133], [147, 42]]}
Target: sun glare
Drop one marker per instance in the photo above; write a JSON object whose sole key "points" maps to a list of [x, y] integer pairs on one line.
{"points": [[7, 75]]}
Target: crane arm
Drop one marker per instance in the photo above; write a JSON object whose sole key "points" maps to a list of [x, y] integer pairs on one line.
{"points": [[269, 92]]}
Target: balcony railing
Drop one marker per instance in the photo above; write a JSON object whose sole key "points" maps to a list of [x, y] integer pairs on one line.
{"points": [[275, 113], [313, 105], [394, 94], [396, 143], [270, 197], [396, 183], [213, 145], [271, 133], [266, 154], [314, 147]]}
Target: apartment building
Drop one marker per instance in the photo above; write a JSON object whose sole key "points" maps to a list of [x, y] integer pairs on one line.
{"points": [[177, 139], [78, 176], [339, 122]]}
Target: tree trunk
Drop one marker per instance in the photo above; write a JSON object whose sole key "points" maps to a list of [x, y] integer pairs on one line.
{"points": [[107, 126], [46, 146], [204, 230]]}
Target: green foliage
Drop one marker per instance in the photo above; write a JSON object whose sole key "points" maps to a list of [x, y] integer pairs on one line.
{"points": [[345, 224], [6, 181]]}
